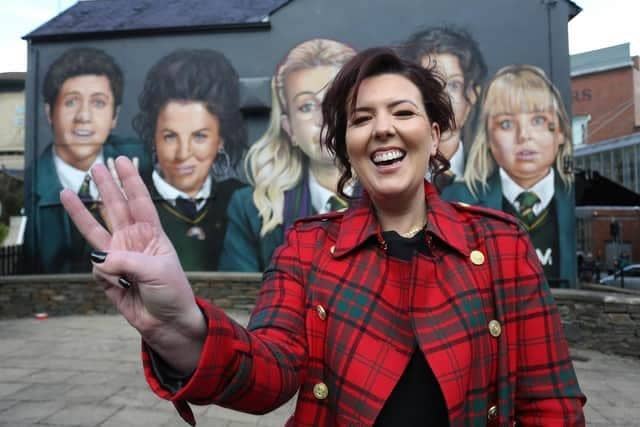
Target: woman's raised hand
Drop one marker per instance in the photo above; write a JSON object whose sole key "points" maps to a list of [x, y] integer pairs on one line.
{"points": [[160, 302]]}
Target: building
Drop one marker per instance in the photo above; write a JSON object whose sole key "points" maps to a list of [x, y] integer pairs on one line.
{"points": [[605, 86], [12, 102]]}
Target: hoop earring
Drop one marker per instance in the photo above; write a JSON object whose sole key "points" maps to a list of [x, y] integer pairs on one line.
{"points": [[222, 165]]}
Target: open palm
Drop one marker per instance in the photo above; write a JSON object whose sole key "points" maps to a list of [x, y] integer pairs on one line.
{"points": [[137, 249]]}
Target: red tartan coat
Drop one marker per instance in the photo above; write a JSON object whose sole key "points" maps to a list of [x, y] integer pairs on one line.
{"points": [[336, 318]]}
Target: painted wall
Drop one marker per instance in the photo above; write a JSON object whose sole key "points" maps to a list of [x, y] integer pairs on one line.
{"points": [[507, 33]]}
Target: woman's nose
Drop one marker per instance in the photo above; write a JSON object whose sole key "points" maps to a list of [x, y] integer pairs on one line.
{"points": [[184, 150], [383, 127]]}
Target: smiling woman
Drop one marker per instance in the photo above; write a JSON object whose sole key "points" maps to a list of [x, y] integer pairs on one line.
{"points": [[369, 322], [191, 118]]}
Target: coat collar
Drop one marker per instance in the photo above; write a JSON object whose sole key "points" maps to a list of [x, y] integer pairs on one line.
{"points": [[360, 224]]}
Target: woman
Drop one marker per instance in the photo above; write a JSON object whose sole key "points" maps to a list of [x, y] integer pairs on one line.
{"points": [[292, 176], [517, 164], [402, 310], [190, 116]]}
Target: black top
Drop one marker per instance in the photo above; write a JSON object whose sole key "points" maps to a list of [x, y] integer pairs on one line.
{"points": [[417, 399]]}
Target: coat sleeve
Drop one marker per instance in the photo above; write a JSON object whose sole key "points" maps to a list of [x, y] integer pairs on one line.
{"points": [[257, 369], [241, 248], [547, 392]]}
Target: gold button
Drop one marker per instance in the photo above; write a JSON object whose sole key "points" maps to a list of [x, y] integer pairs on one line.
{"points": [[477, 257], [495, 329], [320, 391], [322, 313], [332, 249], [492, 413]]}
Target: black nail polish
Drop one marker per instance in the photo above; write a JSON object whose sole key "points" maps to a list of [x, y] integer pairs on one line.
{"points": [[124, 283], [98, 256]]}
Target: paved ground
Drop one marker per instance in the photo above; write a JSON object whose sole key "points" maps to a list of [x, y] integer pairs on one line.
{"points": [[85, 371]]}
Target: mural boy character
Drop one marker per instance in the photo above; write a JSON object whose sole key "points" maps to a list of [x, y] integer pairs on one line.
{"points": [[190, 117], [457, 58], [516, 164], [292, 175], [82, 95]]}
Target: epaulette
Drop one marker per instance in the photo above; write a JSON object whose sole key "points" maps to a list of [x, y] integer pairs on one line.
{"points": [[490, 212], [320, 217]]}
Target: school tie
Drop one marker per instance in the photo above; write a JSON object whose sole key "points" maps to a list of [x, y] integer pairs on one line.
{"points": [[187, 207], [335, 203], [527, 199], [83, 193]]}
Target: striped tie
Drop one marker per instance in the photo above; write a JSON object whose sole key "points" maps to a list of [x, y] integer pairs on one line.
{"points": [[83, 193], [527, 199]]}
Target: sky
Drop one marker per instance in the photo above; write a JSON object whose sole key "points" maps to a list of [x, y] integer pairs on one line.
{"points": [[601, 23]]}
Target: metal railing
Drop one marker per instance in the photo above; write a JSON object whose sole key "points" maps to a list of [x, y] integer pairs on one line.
{"points": [[10, 260]]}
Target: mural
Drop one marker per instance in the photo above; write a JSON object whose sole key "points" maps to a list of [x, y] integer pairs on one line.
{"points": [[517, 163], [291, 175], [225, 200], [191, 122], [82, 93], [454, 54]]}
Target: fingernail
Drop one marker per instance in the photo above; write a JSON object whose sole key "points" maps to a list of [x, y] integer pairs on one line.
{"points": [[98, 256], [124, 283]]}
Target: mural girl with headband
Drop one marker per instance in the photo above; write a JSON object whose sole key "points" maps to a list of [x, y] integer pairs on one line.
{"points": [[517, 164], [292, 176]]}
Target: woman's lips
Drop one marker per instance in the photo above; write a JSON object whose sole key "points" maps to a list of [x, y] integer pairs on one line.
{"points": [[184, 170], [526, 155]]}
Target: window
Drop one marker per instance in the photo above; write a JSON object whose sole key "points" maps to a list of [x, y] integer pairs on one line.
{"points": [[579, 128]]}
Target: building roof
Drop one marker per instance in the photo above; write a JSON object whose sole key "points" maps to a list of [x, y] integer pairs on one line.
{"points": [[151, 16], [607, 145], [12, 81], [595, 61]]}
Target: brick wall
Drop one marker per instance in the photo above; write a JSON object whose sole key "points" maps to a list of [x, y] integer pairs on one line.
{"points": [[609, 98], [592, 320]]}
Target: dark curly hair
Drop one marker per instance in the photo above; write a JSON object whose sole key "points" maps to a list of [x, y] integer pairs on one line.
{"points": [[198, 75], [453, 41], [81, 61], [341, 98]]}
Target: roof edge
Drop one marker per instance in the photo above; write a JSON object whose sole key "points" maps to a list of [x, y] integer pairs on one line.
{"points": [[264, 25]]}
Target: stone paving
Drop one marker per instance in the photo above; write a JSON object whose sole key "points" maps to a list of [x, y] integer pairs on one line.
{"points": [[85, 371]]}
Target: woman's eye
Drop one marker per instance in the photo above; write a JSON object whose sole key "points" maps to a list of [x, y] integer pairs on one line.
{"points": [[169, 137], [200, 137], [404, 113], [505, 124], [539, 120], [307, 107], [359, 120]]}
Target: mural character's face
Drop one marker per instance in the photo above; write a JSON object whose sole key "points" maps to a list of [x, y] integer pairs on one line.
{"points": [[187, 140], [449, 68], [525, 145], [305, 90], [390, 138], [82, 118]]}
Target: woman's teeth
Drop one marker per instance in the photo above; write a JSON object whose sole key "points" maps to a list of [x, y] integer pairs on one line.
{"points": [[385, 157]]}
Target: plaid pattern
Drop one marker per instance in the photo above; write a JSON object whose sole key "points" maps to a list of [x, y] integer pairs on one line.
{"points": [[374, 305]]}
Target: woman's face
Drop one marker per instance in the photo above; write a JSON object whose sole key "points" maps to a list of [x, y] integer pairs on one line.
{"points": [[448, 66], [304, 91], [390, 138], [187, 140], [525, 145]]}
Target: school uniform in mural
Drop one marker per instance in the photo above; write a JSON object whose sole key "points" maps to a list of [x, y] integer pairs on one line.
{"points": [[292, 176], [82, 96], [517, 164], [190, 119], [456, 57]]}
